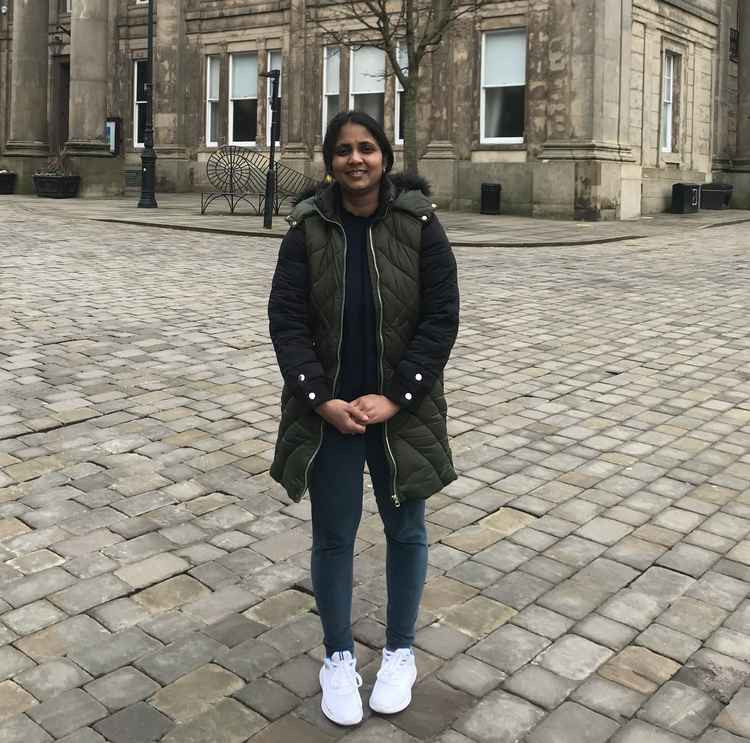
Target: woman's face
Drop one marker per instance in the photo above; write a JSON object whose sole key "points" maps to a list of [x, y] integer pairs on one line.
{"points": [[357, 159]]}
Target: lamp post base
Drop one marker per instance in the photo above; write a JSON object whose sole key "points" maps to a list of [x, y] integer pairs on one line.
{"points": [[148, 182]]}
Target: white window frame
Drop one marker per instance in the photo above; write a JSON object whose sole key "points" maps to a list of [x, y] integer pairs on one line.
{"points": [[68, 6], [269, 83], [232, 140], [403, 58], [136, 103], [326, 54], [352, 92], [482, 138], [211, 59], [666, 132]]}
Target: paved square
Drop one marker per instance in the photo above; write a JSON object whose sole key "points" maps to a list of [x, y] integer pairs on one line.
{"points": [[589, 572]]}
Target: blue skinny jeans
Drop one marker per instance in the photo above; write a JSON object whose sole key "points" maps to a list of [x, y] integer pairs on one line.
{"points": [[336, 488]]}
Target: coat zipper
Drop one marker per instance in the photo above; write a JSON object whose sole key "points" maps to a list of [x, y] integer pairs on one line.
{"points": [[338, 350], [394, 494]]}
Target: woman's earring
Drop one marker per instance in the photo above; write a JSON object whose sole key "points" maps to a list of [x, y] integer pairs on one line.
{"points": [[328, 178]]}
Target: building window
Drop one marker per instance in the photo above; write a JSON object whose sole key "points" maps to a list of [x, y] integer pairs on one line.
{"points": [[367, 88], [399, 118], [140, 101], [213, 78], [734, 45], [243, 99], [331, 72], [274, 63], [669, 77], [503, 102]]}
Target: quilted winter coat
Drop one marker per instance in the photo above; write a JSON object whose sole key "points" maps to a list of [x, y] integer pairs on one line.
{"points": [[415, 291]]}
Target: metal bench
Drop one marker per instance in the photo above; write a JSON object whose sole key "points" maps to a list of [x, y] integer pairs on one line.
{"points": [[239, 175]]}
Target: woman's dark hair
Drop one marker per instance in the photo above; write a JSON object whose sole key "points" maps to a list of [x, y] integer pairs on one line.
{"points": [[355, 117]]}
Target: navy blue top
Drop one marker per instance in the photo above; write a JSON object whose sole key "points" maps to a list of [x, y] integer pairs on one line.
{"points": [[359, 350]]}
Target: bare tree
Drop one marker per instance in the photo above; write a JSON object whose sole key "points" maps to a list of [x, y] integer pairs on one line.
{"points": [[416, 27]]}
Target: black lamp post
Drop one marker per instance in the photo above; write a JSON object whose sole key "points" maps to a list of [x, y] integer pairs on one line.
{"points": [[148, 156], [271, 175]]}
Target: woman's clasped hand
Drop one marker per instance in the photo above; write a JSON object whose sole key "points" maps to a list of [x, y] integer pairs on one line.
{"points": [[353, 417]]}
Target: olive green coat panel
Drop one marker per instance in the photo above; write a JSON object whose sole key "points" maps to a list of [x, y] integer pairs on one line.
{"points": [[416, 439]]}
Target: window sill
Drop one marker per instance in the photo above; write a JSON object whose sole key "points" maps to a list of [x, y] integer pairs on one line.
{"points": [[510, 146], [671, 158]]}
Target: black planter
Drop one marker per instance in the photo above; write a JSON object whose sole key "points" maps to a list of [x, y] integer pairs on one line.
{"points": [[7, 182], [57, 186], [716, 195]]}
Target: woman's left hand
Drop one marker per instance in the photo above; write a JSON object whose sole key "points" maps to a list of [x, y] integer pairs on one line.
{"points": [[377, 408]]}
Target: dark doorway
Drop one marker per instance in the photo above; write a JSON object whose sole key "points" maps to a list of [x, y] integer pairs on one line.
{"points": [[61, 110]]}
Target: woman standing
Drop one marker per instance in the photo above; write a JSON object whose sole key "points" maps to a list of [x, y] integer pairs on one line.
{"points": [[363, 315]]}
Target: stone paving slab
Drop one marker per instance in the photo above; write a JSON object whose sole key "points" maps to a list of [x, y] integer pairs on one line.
{"points": [[589, 571]]}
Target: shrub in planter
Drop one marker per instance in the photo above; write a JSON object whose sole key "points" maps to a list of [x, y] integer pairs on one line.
{"points": [[7, 181], [56, 180]]}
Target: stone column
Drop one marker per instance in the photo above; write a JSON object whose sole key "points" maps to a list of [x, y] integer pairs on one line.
{"points": [[738, 170], [263, 112], [295, 151], [167, 118], [589, 79], [722, 147], [30, 71], [89, 78], [742, 159], [588, 111], [170, 72], [439, 161]]}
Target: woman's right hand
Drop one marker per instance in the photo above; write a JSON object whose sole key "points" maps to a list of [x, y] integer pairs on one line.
{"points": [[343, 416]]}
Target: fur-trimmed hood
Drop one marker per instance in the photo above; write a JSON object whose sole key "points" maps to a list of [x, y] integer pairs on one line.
{"points": [[393, 185], [407, 193]]}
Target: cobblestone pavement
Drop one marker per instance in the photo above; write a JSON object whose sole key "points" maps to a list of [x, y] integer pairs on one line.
{"points": [[589, 571], [182, 211]]}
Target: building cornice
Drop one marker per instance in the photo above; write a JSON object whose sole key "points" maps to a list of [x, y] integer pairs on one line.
{"points": [[693, 9]]}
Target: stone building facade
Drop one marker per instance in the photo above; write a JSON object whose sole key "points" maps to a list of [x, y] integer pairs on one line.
{"points": [[589, 109]]}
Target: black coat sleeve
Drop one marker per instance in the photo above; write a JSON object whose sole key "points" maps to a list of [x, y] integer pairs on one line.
{"points": [[428, 352], [289, 324]]}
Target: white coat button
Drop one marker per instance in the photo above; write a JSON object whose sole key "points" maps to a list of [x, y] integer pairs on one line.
{"points": [[301, 377], [424, 218], [408, 395], [434, 206], [312, 395], [418, 377]]}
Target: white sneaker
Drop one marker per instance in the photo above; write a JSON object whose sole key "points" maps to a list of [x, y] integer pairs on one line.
{"points": [[397, 674], [340, 683]]}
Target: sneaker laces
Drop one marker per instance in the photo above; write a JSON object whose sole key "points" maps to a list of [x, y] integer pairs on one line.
{"points": [[344, 676], [393, 662]]}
